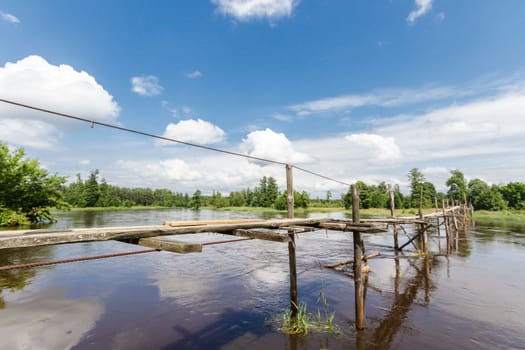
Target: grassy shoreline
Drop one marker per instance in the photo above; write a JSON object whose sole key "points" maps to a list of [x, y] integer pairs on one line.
{"points": [[481, 215], [515, 216]]}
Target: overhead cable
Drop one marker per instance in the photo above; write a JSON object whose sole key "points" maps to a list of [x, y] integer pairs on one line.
{"points": [[92, 123]]}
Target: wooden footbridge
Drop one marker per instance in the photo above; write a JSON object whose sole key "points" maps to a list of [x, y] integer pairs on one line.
{"points": [[283, 230], [451, 218]]}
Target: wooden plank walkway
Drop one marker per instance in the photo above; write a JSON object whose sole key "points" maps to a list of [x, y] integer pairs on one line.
{"points": [[30, 238]]}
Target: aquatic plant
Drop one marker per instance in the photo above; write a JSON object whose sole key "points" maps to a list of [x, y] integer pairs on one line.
{"points": [[305, 322]]}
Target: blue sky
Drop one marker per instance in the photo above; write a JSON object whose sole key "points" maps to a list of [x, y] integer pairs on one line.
{"points": [[355, 90]]}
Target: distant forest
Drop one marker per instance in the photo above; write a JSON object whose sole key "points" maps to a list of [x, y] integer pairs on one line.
{"points": [[95, 192], [28, 192]]}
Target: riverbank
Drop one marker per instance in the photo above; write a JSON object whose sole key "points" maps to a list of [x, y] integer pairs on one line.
{"points": [[481, 215], [517, 217]]}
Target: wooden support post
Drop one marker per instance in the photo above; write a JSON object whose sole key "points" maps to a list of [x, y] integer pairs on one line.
{"points": [[437, 217], [447, 231], [294, 303], [420, 239], [393, 215], [358, 266]]}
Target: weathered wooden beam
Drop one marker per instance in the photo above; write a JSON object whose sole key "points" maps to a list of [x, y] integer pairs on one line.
{"points": [[210, 222], [348, 262], [263, 234], [170, 245], [395, 221], [351, 227], [419, 234], [30, 238], [299, 229]]}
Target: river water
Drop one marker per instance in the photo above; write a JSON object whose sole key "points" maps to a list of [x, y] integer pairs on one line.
{"points": [[232, 296]]}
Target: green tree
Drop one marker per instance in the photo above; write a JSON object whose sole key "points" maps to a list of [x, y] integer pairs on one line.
{"points": [[196, 200], [266, 193], [347, 198], [91, 191], [457, 187], [74, 193], [416, 179], [475, 188], [490, 199], [27, 190], [514, 194], [218, 201], [300, 200], [237, 199]]}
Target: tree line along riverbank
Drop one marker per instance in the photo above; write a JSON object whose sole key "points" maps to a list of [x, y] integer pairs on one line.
{"points": [[29, 192]]}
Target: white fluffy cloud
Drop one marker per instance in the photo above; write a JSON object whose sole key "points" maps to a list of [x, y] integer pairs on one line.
{"points": [[195, 131], [487, 126], [9, 17], [377, 148], [34, 81], [169, 169], [206, 172], [244, 10], [146, 85], [422, 8], [30, 133], [268, 144]]}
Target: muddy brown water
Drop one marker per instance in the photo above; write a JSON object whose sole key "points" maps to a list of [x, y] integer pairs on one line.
{"points": [[231, 296]]}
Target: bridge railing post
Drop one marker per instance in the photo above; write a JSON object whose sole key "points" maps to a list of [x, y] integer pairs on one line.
{"points": [[358, 264], [294, 306]]}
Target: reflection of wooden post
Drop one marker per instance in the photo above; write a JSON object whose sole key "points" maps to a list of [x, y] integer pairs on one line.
{"points": [[291, 245], [427, 279], [358, 267], [393, 215]]}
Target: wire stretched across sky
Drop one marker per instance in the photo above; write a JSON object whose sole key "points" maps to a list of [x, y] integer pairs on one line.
{"points": [[213, 149]]}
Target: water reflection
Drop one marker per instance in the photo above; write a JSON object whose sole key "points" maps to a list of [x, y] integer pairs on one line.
{"points": [[405, 295], [47, 320], [226, 296], [17, 279]]}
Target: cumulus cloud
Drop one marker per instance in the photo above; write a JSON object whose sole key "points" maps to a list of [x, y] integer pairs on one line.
{"points": [[270, 145], [377, 148], [193, 75], [195, 131], [485, 126], [34, 81], [422, 8], [29, 133], [9, 17], [146, 85], [245, 10], [188, 172], [169, 169]]}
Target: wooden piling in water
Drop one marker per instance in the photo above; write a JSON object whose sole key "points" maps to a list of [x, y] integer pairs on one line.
{"points": [[358, 265], [447, 230], [393, 215], [294, 303], [437, 217]]}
